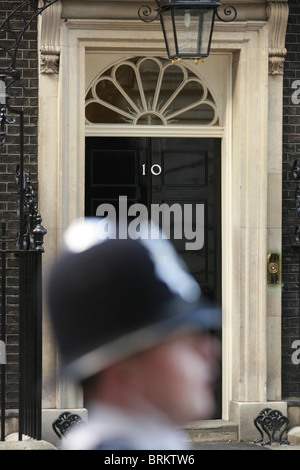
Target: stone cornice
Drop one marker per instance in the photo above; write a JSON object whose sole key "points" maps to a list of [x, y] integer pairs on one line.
{"points": [[123, 9], [272, 12]]}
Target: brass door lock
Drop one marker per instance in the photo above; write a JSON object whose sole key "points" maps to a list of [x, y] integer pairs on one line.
{"points": [[273, 270]]}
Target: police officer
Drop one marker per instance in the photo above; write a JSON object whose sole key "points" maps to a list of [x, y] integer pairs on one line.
{"points": [[133, 330]]}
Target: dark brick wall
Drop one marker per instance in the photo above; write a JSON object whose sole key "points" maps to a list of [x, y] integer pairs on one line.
{"points": [[290, 257], [24, 95]]}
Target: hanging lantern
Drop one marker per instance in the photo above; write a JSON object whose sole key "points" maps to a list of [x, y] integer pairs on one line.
{"points": [[187, 25]]}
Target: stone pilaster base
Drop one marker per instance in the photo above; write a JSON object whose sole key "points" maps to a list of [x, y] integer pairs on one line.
{"points": [[243, 414], [50, 415]]}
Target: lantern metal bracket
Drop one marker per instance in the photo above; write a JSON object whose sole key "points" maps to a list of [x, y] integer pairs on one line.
{"points": [[145, 12]]}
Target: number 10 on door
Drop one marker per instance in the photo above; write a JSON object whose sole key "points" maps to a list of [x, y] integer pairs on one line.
{"points": [[155, 169]]}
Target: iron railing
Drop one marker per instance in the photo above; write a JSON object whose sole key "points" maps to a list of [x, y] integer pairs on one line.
{"points": [[27, 251], [30, 338]]}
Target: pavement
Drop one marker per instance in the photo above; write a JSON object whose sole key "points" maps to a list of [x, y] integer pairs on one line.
{"points": [[293, 436], [210, 446], [241, 446]]}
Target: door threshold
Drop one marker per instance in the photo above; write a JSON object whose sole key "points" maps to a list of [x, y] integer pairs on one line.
{"points": [[216, 430]]}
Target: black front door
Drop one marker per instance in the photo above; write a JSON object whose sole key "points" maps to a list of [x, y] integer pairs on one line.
{"points": [[179, 176], [179, 173]]}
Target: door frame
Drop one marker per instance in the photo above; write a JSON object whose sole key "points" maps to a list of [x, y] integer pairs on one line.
{"points": [[249, 377], [224, 133], [72, 171]]}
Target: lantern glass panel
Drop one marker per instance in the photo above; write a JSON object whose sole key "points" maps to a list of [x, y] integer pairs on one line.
{"points": [[168, 24], [188, 31], [193, 30]]}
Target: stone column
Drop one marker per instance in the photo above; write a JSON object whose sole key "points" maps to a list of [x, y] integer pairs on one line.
{"points": [[277, 22], [58, 393], [257, 383], [49, 41]]}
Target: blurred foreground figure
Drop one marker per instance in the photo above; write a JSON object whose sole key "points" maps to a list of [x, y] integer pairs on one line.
{"points": [[133, 331]]}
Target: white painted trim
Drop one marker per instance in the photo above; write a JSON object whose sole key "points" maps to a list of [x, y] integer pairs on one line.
{"points": [[153, 131], [224, 133], [226, 221]]}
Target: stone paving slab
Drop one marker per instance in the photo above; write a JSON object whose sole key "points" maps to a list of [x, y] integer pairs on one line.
{"points": [[226, 446], [26, 445], [241, 446]]}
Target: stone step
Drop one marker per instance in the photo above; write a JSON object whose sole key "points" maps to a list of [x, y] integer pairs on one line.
{"points": [[211, 431], [294, 435]]}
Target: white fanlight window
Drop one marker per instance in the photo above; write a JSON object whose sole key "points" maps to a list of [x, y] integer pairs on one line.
{"points": [[150, 91]]}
